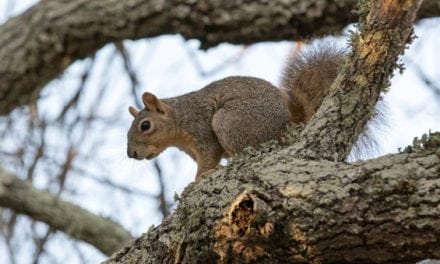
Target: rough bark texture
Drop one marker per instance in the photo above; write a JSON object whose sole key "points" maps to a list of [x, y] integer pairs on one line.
{"points": [[283, 210], [385, 30], [265, 207], [276, 208], [53, 34], [71, 219]]}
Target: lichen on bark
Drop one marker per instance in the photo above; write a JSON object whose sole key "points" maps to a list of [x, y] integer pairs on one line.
{"points": [[301, 204]]}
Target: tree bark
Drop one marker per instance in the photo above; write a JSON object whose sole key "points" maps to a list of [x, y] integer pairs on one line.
{"points": [[265, 206], [379, 211], [385, 28], [278, 208], [53, 34], [20, 196]]}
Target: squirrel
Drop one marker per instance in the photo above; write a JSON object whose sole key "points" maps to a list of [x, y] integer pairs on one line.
{"points": [[227, 115]]}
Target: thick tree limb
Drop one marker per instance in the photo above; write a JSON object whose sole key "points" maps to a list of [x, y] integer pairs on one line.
{"points": [[295, 211], [276, 208], [385, 29], [266, 207], [20, 196], [38, 45]]}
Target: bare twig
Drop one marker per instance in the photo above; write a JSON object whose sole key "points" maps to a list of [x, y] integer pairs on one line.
{"points": [[40, 153], [130, 72], [163, 204], [40, 243], [192, 55], [75, 98], [431, 84], [106, 181], [65, 168]]}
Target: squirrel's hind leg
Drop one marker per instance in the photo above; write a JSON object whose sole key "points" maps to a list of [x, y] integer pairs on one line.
{"points": [[249, 122]]}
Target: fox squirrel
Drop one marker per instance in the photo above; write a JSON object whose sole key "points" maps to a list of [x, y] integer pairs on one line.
{"points": [[225, 116]]}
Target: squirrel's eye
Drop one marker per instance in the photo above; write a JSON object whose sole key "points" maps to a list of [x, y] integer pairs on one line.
{"points": [[145, 125]]}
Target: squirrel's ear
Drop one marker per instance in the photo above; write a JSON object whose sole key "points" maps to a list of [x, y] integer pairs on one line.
{"points": [[133, 111], [152, 103]]}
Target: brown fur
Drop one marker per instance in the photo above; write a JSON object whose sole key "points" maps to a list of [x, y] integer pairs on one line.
{"points": [[222, 118], [308, 77]]}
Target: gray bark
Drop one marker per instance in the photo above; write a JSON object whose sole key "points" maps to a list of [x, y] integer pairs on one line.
{"points": [[267, 208], [278, 209], [38, 45], [385, 28], [20, 196]]}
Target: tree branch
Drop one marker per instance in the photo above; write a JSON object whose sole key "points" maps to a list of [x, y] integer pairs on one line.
{"points": [[80, 224], [385, 29], [53, 34], [298, 211], [277, 208]]}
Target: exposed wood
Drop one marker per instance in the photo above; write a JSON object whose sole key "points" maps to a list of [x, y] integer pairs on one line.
{"points": [[385, 29], [278, 209], [265, 207]]}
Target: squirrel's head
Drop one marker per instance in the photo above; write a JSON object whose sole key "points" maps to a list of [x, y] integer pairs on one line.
{"points": [[152, 129]]}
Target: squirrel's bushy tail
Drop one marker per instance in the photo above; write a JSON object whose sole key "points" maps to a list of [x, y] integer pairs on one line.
{"points": [[308, 76]]}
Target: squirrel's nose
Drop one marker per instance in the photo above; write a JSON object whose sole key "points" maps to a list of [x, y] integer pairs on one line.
{"points": [[132, 154]]}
